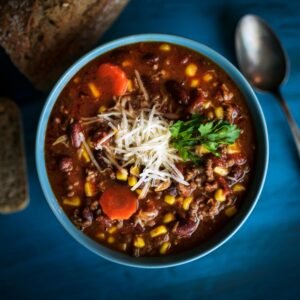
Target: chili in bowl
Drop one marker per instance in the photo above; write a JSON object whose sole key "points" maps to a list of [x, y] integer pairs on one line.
{"points": [[152, 150]]}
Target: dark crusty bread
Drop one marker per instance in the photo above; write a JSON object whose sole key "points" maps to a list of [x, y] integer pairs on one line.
{"points": [[13, 183], [44, 37]]}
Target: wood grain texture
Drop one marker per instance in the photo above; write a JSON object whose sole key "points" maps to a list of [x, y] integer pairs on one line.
{"points": [[39, 260]]}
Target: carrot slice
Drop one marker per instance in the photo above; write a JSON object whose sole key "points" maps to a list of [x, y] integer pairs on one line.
{"points": [[113, 79], [118, 202]]}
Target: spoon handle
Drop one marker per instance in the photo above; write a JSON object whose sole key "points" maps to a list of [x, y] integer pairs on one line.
{"points": [[292, 123]]}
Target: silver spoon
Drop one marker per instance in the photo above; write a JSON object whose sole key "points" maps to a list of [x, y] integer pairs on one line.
{"points": [[263, 61]]}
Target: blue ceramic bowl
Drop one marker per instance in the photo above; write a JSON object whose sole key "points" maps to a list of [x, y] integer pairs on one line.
{"points": [[252, 195]]}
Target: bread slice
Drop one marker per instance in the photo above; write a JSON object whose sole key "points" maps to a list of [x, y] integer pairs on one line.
{"points": [[13, 182], [44, 37]]}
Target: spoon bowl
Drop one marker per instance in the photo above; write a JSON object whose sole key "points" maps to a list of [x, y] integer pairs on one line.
{"points": [[264, 63], [260, 54]]}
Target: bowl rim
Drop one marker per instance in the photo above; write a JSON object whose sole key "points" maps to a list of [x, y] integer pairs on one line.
{"points": [[217, 239]]}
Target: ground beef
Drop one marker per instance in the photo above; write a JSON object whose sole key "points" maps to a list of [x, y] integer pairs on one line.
{"points": [[160, 240], [66, 164], [231, 113], [147, 214], [209, 170], [227, 94], [104, 222], [209, 210], [210, 187], [186, 190]]}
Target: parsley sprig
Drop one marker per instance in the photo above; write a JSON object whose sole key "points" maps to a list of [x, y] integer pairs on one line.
{"points": [[186, 135]]}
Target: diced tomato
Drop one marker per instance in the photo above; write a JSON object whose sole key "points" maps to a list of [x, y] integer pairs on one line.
{"points": [[112, 79], [118, 202]]}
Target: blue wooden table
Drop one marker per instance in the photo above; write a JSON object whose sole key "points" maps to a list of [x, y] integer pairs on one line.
{"points": [[39, 260]]}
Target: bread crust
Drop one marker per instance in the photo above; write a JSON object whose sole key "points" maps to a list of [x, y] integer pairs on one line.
{"points": [[44, 37], [13, 178]]}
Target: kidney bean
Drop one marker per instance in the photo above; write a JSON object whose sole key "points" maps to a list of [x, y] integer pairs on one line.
{"points": [[75, 135], [198, 97], [66, 164], [172, 190], [150, 85], [236, 172], [177, 91], [138, 229], [150, 58], [185, 228]]}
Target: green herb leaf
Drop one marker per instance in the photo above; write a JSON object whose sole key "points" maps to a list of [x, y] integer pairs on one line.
{"points": [[186, 135]]}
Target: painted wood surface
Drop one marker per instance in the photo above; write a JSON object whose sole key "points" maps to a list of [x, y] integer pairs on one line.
{"points": [[39, 260]]}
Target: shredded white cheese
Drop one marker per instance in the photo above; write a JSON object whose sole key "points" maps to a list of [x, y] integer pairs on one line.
{"points": [[143, 139]]}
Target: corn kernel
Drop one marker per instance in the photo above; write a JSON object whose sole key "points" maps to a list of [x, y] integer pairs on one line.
{"points": [[135, 171], [139, 242], [207, 104], [100, 236], [201, 149], [111, 240], [238, 188], [130, 86], [207, 77], [186, 203], [132, 180], [94, 90], [138, 191], [164, 247], [219, 112], [220, 195], [210, 115], [102, 109], [230, 211], [221, 171], [126, 63], [233, 148], [191, 70], [194, 83], [122, 175], [170, 199], [112, 229], [82, 154], [169, 217], [165, 47], [72, 201], [159, 230], [90, 189]]}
